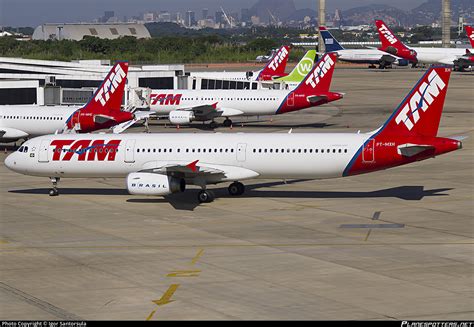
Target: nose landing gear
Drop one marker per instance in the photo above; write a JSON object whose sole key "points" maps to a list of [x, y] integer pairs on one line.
{"points": [[54, 191]]}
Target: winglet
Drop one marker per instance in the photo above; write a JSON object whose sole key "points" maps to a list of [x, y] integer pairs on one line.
{"points": [[192, 166]]}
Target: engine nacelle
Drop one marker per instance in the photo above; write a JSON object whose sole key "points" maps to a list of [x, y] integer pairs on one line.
{"points": [[181, 117], [154, 184]]}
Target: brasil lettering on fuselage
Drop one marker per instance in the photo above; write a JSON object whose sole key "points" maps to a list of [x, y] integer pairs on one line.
{"points": [[86, 150], [166, 99]]}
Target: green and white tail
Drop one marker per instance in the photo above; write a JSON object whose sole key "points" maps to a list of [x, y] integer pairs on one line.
{"points": [[302, 69]]}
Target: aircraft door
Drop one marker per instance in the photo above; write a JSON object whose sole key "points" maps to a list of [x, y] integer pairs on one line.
{"points": [[290, 100], [43, 155], [130, 151], [368, 154], [241, 152]]}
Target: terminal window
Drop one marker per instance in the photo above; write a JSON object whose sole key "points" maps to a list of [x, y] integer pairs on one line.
{"points": [[133, 30], [114, 31], [93, 31]]}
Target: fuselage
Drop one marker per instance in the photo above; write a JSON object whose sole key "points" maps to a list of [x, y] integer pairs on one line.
{"points": [[439, 55], [232, 76], [271, 156], [369, 56], [230, 102], [27, 121]]}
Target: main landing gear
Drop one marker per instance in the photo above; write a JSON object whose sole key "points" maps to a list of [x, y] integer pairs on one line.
{"points": [[235, 189], [227, 122], [54, 191]]}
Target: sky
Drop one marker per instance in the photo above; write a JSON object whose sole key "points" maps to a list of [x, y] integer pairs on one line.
{"points": [[36, 12]]}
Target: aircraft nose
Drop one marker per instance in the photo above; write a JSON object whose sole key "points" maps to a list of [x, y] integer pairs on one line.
{"points": [[10, 162]]}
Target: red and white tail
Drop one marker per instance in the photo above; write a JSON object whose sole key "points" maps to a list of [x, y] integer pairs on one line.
{"points": [[392, 44], [320, 77], [275, 66], [109, 95], [470, 34], [420, 112]]}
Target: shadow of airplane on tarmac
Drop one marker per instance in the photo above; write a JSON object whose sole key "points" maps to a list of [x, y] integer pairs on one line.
{"points": [[188, 200]]}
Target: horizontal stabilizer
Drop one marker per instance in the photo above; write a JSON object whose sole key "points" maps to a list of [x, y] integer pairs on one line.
{"points": [[102, 119], [410, 150]]}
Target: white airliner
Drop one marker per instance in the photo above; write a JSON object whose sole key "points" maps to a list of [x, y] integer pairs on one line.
{"points": [[102, 111], [161, 164], [274, 68], [184, 106], [459, 58], [359, 56]]}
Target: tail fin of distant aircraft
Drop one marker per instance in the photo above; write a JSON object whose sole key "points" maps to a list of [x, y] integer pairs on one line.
{"points": [[320, 77], [276, 65], [330, 43], [470, 34], [420, 112], [109, 95], [301, 69], [392, 44]]}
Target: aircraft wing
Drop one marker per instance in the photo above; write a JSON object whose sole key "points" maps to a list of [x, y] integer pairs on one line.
{"points": [[410, 150], [192, 171], [138, 115], [211, 111]]}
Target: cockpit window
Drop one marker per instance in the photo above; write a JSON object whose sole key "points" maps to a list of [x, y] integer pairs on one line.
{"points": [[23, 149], [20, 149]]}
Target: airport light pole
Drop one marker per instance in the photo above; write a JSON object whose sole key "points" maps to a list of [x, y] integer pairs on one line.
{"points": [[321, 22], [446, 23]]}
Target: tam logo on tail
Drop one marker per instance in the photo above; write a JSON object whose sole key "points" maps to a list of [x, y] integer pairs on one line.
{"points": [[110, 85], [321, 69], [387, 34], [278, 59], [420, 99]]}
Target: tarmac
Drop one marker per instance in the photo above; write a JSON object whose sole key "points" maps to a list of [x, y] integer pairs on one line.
{"points": [[396, 244]]}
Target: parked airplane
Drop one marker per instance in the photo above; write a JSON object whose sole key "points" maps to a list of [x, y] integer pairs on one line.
{"points": [[459, 58], [275, 67], [102, 111], [161, 164], [185, 106], [360, 56]]}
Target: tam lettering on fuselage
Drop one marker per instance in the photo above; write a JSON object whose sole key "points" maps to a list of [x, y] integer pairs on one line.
{"points": [[278, 59], [166, 99], [421, 99], [86, 150], [319, 72], [388, 35], [110, 85]]}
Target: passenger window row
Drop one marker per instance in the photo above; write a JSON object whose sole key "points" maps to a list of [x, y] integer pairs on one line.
{"points": [[32, 117], [186, 150], [300, 150]]}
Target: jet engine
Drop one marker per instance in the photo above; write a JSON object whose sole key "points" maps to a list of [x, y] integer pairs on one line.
{"points": [[154, 184], [181, 117]]}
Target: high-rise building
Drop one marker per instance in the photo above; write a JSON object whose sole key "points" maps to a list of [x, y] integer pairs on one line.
{"points": [[190, 19], [245, 15], [219, 18], [205, 13], [338, 18], [107, 15]]}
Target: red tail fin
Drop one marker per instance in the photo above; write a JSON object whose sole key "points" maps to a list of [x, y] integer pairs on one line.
{"points": [[109, 95], [470, 34], [391, 44], [420, 112], [275, 66], [320, 77]]}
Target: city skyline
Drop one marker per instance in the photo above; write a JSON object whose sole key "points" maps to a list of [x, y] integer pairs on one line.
{"points": [[31, 13]]}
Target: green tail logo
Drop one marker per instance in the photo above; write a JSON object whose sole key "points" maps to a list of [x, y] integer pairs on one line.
{"points": [[301, 69]]}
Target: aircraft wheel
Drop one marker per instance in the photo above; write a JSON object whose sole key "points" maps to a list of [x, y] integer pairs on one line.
{"points": [[212, 125], [227, 122], [53, 192], [205, 196], [236, 188]]}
